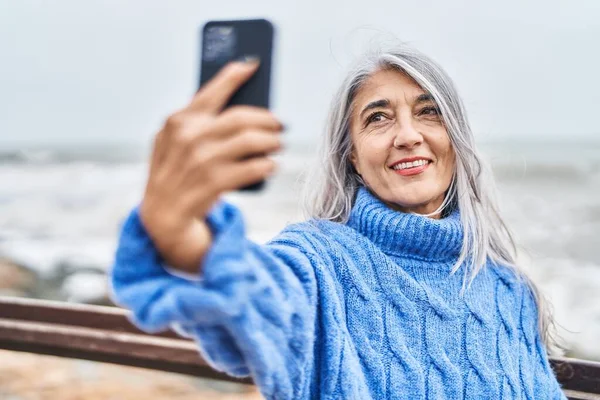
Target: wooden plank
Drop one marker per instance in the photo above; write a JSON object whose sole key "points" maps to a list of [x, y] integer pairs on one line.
{"points": [[165, 354], [83, 315], [577, 375], [576, 395]]}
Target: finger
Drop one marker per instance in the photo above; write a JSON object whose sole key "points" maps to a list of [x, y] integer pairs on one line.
{"points": [[215, 93], [183, 131], [243, 173], [249, 143], [240, 118], [163, 139], [187, 129], [158, 151]]}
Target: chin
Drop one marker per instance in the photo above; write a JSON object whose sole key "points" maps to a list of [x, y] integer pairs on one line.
{"points": [[410, 199]]}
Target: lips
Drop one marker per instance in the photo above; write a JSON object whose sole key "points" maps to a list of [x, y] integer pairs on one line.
{"points": [[411, 166]]}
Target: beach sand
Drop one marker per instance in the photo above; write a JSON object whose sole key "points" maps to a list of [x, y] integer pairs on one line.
{"points": [[25, 376]]}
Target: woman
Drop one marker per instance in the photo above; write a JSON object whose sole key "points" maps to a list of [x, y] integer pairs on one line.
{"points": [[402, 285]]}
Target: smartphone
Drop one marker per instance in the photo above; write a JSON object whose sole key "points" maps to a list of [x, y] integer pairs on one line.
{"points": [[225, 41]]}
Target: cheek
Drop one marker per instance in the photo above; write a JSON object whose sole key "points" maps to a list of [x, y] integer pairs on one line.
{"points": [[369, 153], [444, 152], [451, 158], [448, 159], [442, 146], [452, 162], [448, 172]]}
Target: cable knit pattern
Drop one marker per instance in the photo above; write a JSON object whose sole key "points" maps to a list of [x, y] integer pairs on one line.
{"points": [[363, 310]]}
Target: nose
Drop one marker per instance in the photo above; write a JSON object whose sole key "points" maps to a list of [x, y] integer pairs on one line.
{"points": [[406, 135]]}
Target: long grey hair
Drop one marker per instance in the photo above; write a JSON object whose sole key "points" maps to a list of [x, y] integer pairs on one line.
{"points": [[330, 191]]}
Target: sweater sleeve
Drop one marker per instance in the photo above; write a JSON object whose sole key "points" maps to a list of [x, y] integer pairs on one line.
{"points": [[252, 312]]}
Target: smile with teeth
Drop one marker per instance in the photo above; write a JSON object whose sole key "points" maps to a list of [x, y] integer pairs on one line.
{"points": [[412, 164]]}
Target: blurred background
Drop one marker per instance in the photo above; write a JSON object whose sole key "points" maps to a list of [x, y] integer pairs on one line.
{"points": [[84, 86]]}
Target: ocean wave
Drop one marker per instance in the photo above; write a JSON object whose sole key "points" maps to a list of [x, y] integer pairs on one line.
{"points": [[45, 156], [28, 157], [543, 171]]}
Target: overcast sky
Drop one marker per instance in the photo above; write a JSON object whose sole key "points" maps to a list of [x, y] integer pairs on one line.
{"points": [[108, 71]]}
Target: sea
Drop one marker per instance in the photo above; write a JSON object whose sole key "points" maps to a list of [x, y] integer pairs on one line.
{"points": [[61, 208]]}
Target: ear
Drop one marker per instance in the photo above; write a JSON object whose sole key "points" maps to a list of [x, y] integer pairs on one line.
{"points": [[354, 161]]}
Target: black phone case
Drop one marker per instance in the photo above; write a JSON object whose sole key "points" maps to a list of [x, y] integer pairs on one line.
{"points": [[252, 38]]}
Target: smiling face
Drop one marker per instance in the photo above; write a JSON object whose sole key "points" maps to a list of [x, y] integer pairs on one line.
{"points": [[400, 146]]}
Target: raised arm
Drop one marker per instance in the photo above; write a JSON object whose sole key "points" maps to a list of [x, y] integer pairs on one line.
{"points": [[251, 308]]}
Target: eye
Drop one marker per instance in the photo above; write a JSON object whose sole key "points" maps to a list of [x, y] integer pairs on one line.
{"points": [[429, 111], [377, 116]]}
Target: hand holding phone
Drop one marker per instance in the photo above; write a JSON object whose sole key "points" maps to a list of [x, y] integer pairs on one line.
{"points": [[202, 151]]}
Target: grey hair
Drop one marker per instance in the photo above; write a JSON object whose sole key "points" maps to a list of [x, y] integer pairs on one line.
{"points": [[331, 189]]}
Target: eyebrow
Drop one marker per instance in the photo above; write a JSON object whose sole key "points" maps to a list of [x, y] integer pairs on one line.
{"points": [[375, 104], [424, 98]]}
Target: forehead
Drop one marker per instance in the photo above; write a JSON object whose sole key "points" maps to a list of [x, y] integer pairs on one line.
{"points": [[389, 84]]}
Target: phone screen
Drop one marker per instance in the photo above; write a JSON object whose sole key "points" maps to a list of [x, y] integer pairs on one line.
{"points": [[225, 41]]}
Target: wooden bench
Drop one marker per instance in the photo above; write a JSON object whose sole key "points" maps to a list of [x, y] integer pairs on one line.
{"points": [[105, 334]]}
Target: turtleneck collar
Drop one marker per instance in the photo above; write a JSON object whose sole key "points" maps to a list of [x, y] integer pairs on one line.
{"points": [[403, 234]]}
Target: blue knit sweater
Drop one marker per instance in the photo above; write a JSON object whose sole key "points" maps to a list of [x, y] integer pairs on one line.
{"points": [[362, 310]]}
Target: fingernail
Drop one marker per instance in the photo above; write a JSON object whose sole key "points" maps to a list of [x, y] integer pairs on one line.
{"points": [[250, 59]]}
